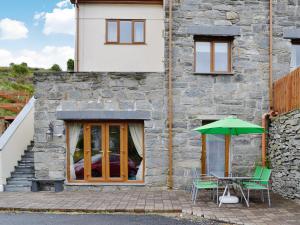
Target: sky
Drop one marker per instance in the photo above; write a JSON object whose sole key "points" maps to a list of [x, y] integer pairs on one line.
{"points": [[38, 32]]}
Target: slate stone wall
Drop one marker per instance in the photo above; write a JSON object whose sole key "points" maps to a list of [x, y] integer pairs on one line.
{"points": [[286, 16], [99, 91], [284, 154], [244, 93]]}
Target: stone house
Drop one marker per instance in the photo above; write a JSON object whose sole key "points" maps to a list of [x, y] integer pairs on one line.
{"points": [[125, 117]]}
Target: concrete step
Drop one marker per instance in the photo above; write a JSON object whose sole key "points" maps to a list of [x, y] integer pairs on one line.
{"points": [[18, 179], [24, 169], [26, 164], [29, 148], [27, 159], [26, 182], [17, 188], [22, 175], [28, 154]]}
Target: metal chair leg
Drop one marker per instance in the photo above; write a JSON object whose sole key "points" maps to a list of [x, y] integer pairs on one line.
{"points": [[262, 195], [192, 192], [195, 195], [248, 195], [269, 197], [218, 194]]}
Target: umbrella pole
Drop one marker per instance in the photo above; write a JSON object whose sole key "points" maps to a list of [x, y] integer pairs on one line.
{"points": [[227, 146]]}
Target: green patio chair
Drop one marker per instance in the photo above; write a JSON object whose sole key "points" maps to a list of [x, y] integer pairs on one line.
{"points": [[260, 184], [256, 175], [203, 183]]}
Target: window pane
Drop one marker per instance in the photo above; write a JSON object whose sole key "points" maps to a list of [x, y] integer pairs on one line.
{"points": [[215, 154], [135, 151], [295, 62], [203, 57], [139, 31], [76, 152], [97, 151], [112, 31], [221, 56], [114, 151], [125, 32]]}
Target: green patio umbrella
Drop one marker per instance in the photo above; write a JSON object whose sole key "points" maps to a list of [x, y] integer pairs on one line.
{"points": [[230, 126]]}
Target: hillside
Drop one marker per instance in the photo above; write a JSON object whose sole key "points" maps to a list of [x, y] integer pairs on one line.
{"points": [[16, 78]]}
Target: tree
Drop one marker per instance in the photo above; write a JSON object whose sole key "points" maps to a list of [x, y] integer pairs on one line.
{"points": [[70, 65], [24, 64], [20, 70], [55, 68]]}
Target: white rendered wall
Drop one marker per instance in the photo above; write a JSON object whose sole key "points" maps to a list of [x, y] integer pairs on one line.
{"points": [[95, 55]]}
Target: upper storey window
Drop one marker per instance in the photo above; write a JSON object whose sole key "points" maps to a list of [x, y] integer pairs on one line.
{"points": [[295, 60], [125, 31], [212, 55]]}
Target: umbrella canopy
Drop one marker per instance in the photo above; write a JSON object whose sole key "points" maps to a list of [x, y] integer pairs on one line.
{"points": [[230, 126]]}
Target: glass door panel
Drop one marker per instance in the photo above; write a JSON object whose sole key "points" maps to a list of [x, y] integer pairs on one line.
{"points": [[114, 151], [76, 151], [97, 152], [215, 154]]}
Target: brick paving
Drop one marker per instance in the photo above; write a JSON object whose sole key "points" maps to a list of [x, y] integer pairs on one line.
{"points": [[282, 212]]}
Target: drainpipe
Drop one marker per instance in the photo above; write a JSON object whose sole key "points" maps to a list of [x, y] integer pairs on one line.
{"points": [[77, 36], [271, 113], [263, 139], [170, 98], [271, 55]]}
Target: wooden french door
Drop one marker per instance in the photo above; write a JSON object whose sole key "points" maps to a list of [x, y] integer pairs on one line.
{"points": [[105, 152]]}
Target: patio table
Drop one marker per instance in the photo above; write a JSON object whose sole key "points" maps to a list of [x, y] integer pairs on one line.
{"points": [[229, 181]]}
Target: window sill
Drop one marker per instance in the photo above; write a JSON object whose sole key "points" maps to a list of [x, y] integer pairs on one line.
{"points": [[107, 43], [215, 73], [104, 184]]}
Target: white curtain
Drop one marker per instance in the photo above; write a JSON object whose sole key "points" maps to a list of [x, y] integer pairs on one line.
{"points": [[215, 154], [74, 131], [136, 131]]}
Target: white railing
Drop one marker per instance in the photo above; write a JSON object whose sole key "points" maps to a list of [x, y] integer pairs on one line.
{"points": [[15, 140]]}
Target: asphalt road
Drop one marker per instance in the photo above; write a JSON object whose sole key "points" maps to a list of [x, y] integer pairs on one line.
{"points": [[93, 219]]}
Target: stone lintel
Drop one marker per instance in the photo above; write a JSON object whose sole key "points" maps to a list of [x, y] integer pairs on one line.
{"points": [[289, 33], [222, 31], [103, 115]]}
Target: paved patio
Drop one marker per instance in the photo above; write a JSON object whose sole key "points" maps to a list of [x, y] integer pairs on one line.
{"points": [[283, 212]]}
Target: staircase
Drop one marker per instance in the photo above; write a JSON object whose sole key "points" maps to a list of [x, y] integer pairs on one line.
{"points": [[24, 171]]}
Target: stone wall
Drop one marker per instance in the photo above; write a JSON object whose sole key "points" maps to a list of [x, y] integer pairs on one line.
{"points": [[284, 154], [286, 15], [244, 93], [99, 91]]}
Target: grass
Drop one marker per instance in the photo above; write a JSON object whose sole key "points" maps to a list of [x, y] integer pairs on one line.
{"points": [[14, 79]]}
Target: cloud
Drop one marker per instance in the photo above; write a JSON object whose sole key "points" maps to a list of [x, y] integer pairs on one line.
{"points": [[12, 29], [38, 16], [43, 58], [63, 4], [60, 21]]}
